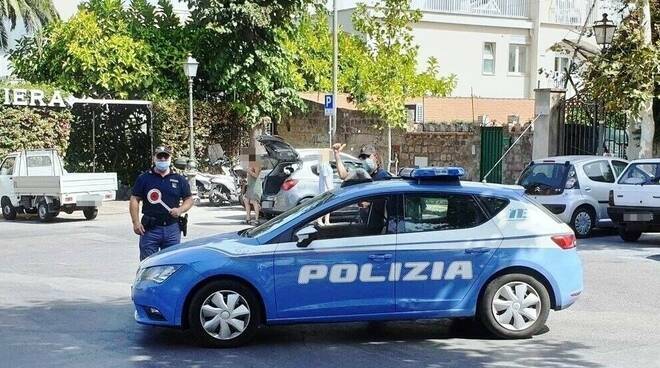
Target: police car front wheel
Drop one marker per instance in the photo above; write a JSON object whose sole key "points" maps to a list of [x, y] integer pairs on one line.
{"points": [[514, 306], [224, 314]]}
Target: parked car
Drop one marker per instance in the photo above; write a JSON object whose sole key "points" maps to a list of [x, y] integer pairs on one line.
{"points": [[426, 246], [575, 188], [35, 181], [294, 177], [635, 200]]}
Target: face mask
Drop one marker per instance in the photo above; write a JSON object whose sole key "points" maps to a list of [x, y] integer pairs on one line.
{"points": [[162, 166], [369, 165]]}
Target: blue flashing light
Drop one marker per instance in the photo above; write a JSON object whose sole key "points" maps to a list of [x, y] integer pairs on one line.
{"points": [[428, 173]]}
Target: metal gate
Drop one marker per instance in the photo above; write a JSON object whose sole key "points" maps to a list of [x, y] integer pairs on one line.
{"points": [[492, 148], [587, 128]]}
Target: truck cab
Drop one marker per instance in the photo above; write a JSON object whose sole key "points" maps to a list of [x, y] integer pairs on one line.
{"points": [[35, 182]]}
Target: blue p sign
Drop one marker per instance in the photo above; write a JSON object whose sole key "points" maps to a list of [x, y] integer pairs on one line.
{"points": [[329, 105]]}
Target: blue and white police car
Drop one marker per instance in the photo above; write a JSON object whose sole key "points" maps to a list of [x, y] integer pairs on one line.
{"points": [[424, 245]]}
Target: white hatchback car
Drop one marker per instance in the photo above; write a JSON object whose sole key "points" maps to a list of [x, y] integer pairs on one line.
{"points": [[575, 188]]}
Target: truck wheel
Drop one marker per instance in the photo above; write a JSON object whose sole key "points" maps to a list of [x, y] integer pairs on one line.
{"points": [[514, 306], [91, 213], [629, 235], [8, 210], [42, 212], [583, 221], [224, 314]]}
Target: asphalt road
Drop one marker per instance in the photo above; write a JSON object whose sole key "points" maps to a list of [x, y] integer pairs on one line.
{"points": [[64, 302]]}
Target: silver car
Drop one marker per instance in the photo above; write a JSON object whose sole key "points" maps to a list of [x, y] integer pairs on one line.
{"points": [[294, 177], [575, 188]]}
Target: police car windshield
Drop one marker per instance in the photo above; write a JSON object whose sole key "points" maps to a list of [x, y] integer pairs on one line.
{"points": [[289, 215]]}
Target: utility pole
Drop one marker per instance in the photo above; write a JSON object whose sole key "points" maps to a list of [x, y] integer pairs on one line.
{"points": [[335, 54]]}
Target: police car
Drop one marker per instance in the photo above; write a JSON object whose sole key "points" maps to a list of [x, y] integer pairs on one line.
{"points": [[424, 245]]}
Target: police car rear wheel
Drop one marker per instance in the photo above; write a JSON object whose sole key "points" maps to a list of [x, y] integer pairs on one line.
{"points": [[224, 314], [515, 306]]}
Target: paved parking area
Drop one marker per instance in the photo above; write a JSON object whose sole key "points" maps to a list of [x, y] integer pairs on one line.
{"points": [[64, 302]]}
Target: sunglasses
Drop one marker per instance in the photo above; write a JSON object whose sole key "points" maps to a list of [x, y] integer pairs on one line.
{"points": [[162, 156], [364, 157]]}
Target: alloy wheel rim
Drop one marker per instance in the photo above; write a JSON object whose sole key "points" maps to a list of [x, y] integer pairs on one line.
{"points": [[225, 315], [42, 211], [582, 222], [6, 209], [516, 306]]}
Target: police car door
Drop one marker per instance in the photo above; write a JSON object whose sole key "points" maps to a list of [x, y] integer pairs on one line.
{"points": [[444, 242], [343, 270]]}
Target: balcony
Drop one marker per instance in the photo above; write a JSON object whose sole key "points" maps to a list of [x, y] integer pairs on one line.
{"points": [[493, 8], [571, 12]]}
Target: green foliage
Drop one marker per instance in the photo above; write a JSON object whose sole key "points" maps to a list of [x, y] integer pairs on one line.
{"points": [[30, 128], [110, 139], [32, 13], [108, 50], [379, 75], [215, 123], [91, 55], [242, 60], [628, 73]]}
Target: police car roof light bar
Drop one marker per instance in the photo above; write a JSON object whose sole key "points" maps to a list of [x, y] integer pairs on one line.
{"points": [[432, 173]]}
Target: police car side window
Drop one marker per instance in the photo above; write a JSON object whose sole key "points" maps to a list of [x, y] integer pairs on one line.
{"points": [[441, 212], [366, 217]]}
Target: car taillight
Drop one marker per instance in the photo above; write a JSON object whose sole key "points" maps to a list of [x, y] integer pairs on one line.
{"points": [[289, 183], [611, 199], [566, 241]]}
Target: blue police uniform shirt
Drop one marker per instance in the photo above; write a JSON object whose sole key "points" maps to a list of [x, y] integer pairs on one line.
{"points": [[173, 188], [381, 174]]}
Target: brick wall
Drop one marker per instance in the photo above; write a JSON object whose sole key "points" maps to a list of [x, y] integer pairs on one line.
{"points": [[449, 109]]}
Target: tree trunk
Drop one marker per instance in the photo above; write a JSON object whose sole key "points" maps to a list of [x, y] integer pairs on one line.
{"points": [[646, 111]]}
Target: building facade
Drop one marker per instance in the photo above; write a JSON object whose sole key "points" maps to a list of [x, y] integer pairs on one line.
{"points": [[498, 48]]}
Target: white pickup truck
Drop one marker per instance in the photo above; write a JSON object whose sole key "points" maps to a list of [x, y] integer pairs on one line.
{"points": [[34, 181], [635, 199]]}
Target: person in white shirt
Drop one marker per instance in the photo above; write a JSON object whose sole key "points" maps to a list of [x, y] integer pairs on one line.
{"points": [[325, 179]]}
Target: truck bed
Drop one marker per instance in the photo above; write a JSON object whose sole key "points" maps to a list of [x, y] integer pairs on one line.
{"points": [[65, 184]]}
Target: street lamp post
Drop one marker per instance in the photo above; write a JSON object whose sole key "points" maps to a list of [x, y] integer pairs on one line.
{"points": [[190, 70], [604, 31]]}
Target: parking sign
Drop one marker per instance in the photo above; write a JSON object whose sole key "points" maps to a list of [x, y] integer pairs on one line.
{"points": [[329, 104]]}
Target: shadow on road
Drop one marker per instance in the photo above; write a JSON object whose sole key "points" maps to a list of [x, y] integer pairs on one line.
{"points": [[57, 334]]}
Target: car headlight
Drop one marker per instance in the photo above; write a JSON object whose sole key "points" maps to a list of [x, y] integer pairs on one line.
{"points": [[156, 274]]}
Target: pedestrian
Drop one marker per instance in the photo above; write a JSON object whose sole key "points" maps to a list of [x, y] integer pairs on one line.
{"points": [[371, 162], [252, 198], [165, 196], [325, 179]]}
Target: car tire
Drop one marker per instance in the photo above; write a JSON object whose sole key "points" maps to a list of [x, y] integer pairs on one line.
{"points": [[214, 302], [502, 311], [8, 210], [583, 221], [629, 236], [43, 212], [91, 213]]}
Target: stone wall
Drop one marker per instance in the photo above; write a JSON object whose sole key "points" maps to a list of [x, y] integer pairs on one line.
{"points": [[310, 130], [443, 144]]}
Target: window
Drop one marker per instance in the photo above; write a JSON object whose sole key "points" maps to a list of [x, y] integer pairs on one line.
{"points": [[441, 212], [7, 167], [599, 171], [488, 62], [517, 59], [38, 161], [494, 205], [366, 217], [641, 174], [619, 166], [561, 64]]}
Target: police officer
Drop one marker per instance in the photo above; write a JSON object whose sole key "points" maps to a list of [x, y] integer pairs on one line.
{"points": [[159, 227]]}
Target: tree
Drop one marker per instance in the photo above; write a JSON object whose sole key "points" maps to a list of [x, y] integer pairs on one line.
{"points": [[33, 13], [93, 54], [242, 60], [390, 71], [107, 49], [627, 75]]}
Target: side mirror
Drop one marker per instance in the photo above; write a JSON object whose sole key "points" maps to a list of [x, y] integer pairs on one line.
{"points": [[306, 236]]}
